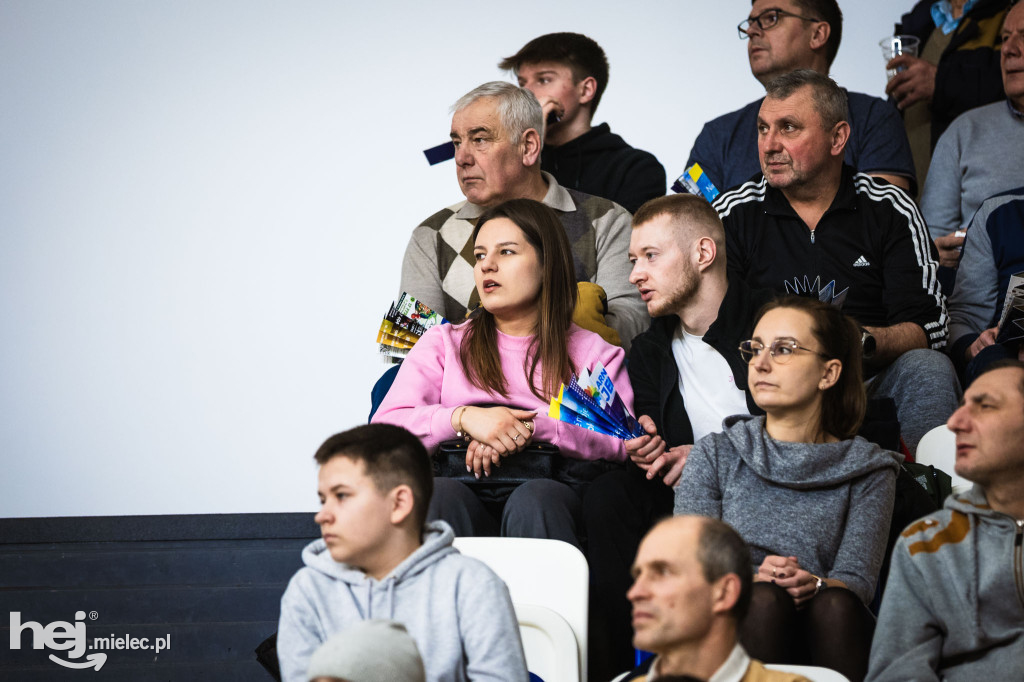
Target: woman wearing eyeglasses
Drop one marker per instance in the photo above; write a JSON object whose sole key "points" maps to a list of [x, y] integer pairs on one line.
{"points": [[812, 500]]}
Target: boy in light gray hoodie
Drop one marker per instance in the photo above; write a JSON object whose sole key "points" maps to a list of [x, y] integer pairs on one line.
{"points": [[379, 559]]}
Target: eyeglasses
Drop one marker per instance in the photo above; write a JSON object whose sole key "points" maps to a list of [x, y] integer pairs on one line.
{"points": [[781, 350], [766, 20]]}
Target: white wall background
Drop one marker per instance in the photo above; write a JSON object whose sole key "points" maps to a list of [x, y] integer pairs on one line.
{"points": [[204, 205]]}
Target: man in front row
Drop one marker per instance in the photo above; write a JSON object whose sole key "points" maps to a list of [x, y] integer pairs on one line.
{"points": [[691, 590], [810, 225], [379, 559], [496, 131], [954, 602]]}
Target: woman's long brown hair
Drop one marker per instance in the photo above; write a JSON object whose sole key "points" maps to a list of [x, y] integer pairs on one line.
{"points": [[550, 345]]}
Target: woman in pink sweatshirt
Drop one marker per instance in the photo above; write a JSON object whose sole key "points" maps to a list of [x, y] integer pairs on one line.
{"points": [[515, 350]]}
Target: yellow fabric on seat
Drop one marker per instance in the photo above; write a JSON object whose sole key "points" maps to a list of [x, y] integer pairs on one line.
{"points": [[591, 307]]}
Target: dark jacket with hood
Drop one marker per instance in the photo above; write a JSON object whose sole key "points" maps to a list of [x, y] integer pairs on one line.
{"points": [[655, 376], [600, 163]]}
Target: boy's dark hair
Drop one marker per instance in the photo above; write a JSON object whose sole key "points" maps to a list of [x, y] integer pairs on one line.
{"points": [[580, 53], [391, 456]]}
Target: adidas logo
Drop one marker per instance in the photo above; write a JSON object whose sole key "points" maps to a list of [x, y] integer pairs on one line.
{"points": [[861, 262]]}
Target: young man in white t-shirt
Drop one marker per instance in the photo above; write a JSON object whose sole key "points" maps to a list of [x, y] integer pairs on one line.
{"points": [[687, 376], [678, 253]]}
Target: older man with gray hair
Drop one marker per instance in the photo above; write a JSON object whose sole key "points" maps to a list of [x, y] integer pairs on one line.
{"points": [[496, 132]]}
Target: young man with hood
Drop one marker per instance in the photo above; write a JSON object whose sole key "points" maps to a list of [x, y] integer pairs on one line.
{"points": [[378, 559], [568, 73]]}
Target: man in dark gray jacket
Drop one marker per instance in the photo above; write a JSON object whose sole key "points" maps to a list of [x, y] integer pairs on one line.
{"points": [[954, 604]]}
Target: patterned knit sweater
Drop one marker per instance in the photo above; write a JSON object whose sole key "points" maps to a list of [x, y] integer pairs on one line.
{"points": [[438, 264]]}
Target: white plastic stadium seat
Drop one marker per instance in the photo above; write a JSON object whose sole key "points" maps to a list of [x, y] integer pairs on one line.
{"points": [[549, 643], [549, 583], [938, 448], [814, 673]]}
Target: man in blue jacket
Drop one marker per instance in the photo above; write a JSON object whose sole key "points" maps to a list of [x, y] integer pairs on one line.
{"points": [[783, 36]]}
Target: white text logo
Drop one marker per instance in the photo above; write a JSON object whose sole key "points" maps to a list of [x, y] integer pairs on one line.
{"points": [[70, 637]]}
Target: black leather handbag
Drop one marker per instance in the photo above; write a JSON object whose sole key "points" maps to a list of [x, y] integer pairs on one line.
{"points": [[536, 461]]}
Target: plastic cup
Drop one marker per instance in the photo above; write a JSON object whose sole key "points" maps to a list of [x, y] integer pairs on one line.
{"points": [[894, 46]]}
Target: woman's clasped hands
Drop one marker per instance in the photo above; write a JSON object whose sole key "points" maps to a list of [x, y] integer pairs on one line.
{"points": [[787, 574], [494, 432]]}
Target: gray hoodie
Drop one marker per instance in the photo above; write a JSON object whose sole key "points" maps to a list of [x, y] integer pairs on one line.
{"points": [[827, 504], [456, 608], [954, 602]]}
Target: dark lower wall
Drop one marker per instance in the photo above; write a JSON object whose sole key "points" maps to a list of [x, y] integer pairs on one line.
{"points": [[206, 588]]}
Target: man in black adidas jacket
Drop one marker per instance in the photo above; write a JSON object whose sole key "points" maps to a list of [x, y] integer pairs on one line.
{"points": [[807, 224]]}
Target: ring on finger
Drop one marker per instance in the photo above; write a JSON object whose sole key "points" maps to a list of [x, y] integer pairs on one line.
{"points": [[515, 438]]}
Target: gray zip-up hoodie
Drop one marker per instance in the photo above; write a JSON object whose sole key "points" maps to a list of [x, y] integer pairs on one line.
{"points": [[954, 602], [456, 608], [827, 504]]}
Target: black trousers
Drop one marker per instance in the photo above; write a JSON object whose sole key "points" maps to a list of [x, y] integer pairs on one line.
{"points": [[619, 508]]}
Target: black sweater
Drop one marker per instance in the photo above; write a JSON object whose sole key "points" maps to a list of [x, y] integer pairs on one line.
{"points": [[600, 163]]}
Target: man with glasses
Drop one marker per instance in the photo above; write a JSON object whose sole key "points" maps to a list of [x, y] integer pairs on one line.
{"points": [[810, 225], [783, 36]]}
